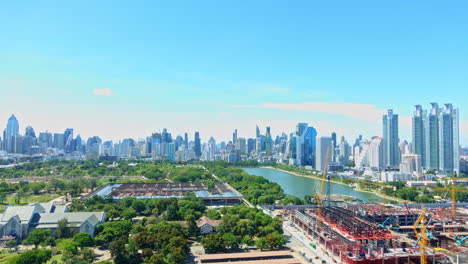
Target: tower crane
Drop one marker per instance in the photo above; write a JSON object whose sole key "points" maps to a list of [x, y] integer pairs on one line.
{"points": [[453, 191], [317, 196], [420, 230]]}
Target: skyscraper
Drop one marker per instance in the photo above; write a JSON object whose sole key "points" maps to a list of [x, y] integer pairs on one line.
{"points": [[432, 138], [59, 140], [234, 136], [68, 137], [30, 132], [419, 133], [376, 153], [322, 145], [257, 132], [390, 134], [343, 158], [305, 140], [197, 147], [186, 140], [11, 132], [449, 158], [333, 149]]}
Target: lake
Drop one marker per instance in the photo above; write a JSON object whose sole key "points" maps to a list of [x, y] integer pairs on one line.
{"points": [[299, 186]]}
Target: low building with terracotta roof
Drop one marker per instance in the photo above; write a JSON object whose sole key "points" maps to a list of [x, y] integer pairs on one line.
{"points": [[207, 225]]}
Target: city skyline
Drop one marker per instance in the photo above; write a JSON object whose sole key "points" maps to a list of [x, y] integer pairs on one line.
{"points": [[215, 66], [404, 129]]}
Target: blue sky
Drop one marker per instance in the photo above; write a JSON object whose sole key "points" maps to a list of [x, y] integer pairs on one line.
{"points": [[126, 68]]}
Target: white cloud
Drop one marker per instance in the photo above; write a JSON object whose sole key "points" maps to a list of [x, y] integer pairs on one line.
{"points": [[102, 92]]}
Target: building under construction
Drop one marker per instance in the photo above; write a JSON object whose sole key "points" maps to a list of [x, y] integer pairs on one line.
{"points": [[371, 233]]}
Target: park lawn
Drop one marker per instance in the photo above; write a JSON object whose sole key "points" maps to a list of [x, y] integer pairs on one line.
{"points": [[57, 259], [40, 198], [5, 256]]}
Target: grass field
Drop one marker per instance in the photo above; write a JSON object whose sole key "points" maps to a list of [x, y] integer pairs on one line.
{"points": [[5, 256], [40, 198]]}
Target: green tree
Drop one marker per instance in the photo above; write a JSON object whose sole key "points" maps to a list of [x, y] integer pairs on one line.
{"points": [[63, 230], [213, 243], [83, 240], [261, 243], [275, 240], [192, 225], [37, 236], [213, 214], [119, 251], [231, 241], [35, 256]]}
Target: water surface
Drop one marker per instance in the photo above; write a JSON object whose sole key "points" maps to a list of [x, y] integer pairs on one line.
{"points": [[300, 186]]}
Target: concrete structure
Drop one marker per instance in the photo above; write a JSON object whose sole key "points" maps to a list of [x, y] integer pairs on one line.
{"points": [[254, 257], [219, 194]]}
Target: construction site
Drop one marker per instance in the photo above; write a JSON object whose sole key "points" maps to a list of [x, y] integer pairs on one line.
{"points": [[357, 233]]}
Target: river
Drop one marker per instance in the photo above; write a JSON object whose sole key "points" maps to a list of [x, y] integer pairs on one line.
{"points": [[299, 186]]}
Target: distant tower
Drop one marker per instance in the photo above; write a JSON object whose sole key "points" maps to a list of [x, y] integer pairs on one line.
{"points": [[333, 148], [197, 148], [234, 136], [390, 132], [322, 145], [12, 131], [186, 140], [30, 132], [432, 138], [449, 158], [257, 132], [68, 137], [419, 133]]}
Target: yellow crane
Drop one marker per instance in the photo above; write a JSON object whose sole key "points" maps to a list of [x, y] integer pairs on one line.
{"points": [[317, 196], [453, 191], [421, 234]]}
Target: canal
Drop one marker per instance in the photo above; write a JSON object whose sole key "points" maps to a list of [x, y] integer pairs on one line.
{"points": [[299, 186]]}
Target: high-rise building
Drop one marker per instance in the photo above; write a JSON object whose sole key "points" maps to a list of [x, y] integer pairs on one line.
{"points": [[410, 163], [432, 138], [323, 144], [197, 147], [241, 145], [449, 157], [333, 149], [300, 127], [59, 140], [68, 137], [234, 136], [419, 133], [305, 139], [250, 145], [257, 132], [376, 154], [186, 140], [11, 132], [30, 132], [390, 134], [268, 142], [344, 152]]}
